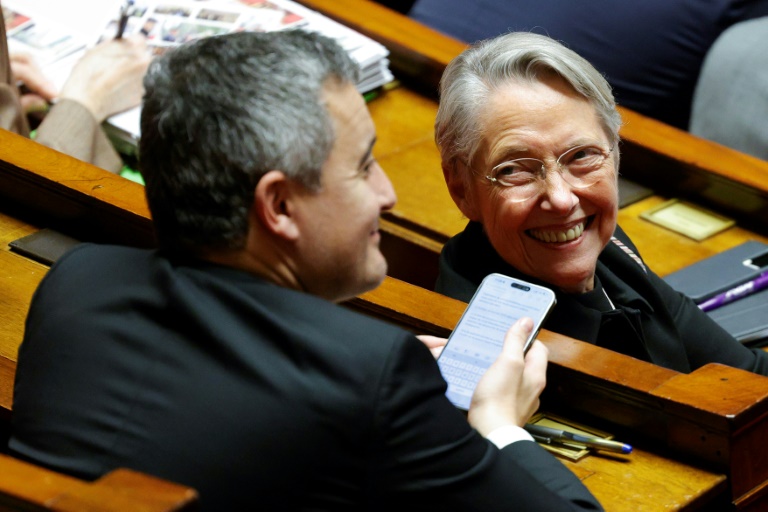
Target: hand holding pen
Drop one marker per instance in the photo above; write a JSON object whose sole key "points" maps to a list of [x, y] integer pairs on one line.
{"points": [[550, 435], [125, 12]]}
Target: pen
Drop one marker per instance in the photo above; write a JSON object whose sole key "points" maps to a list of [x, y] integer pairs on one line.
{"points": [[553, 435], [123, 21], [721, 299]]}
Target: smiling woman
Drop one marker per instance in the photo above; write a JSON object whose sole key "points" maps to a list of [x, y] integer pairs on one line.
{"points": [[528, 134]]}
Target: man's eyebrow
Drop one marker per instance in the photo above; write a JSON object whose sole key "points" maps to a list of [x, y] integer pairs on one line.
{"points": [[368, 153]]}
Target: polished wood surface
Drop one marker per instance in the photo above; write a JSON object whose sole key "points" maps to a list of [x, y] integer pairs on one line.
{"points": [[601, 377], [691, 430], [30, 488], [77, 197], [672, 482]]}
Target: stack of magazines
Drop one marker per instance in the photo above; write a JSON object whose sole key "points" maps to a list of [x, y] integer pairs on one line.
{"points": [[57, 32]]}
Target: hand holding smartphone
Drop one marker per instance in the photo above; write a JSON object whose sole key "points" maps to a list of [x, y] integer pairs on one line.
{"points": [[477, 340]]}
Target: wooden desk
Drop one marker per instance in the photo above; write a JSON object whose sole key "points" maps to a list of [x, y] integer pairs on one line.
{"points": [[653, 407], [720, 429], [642, 473], [716, 415]]}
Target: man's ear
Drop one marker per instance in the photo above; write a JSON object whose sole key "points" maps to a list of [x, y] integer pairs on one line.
{"points": [[273, 205], [456, 178]]}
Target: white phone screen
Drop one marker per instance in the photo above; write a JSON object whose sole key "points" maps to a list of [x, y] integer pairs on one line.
{"points": [[476, 341]]}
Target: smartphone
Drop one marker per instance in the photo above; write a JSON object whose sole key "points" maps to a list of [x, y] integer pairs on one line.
{"points": [[476, 341]]}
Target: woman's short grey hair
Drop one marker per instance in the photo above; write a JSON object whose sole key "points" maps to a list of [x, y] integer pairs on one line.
{"points": [[471, 78]]}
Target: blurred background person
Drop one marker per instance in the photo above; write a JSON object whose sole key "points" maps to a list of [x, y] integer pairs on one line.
{"points": [[650, 52], [730, 104], [105, 81]]}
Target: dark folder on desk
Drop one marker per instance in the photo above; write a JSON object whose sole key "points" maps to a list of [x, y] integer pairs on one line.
{"points": [[44, 246], [746, 318]]}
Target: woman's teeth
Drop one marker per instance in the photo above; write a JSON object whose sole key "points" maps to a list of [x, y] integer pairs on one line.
{"points": [[558, 236]]}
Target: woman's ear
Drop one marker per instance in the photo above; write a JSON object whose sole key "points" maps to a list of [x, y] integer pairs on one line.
{"points": [[273, 205], [457, 177]]}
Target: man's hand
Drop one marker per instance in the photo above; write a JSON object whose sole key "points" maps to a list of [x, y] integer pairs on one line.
{"points": [[108, 79], [433, 343], [37, 90], [508, 393]]}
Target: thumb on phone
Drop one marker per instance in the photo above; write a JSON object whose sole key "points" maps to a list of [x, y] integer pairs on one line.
{"points": [[508, 393]]}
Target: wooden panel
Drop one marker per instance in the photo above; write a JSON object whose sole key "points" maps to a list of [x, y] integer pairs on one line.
{"points": [[603, 376], [19, 276], [31, 488], [646, 401], [648, 483], [72, 195], [7, 373]]}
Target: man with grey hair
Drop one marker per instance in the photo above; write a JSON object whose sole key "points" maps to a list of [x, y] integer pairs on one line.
{"points": [[221, 360]]}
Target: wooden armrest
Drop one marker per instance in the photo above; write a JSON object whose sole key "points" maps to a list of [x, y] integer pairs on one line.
{"points": [[70, 195], [31, 488]]}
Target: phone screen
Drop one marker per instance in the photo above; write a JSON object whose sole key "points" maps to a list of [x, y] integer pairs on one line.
{"points": [[476, 341]]}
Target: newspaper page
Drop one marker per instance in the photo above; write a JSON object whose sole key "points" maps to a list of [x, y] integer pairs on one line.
{"points": [[58, 32]]}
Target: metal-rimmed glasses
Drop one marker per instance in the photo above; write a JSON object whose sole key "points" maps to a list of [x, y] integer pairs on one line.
{"points": [[525, 178]]}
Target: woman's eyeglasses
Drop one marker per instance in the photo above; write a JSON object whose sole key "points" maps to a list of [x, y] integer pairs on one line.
{"points": [[580, 167]]}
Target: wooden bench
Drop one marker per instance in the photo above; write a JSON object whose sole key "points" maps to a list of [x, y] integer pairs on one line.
{"points": [[30, 488], [696, 435], [713, 417]]}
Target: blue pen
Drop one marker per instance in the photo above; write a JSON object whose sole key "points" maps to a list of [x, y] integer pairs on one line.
{"points": [[554, 435], [721, 299]]}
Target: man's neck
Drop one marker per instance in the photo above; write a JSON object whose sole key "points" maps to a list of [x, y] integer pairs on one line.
{"points": [[265, 266]]}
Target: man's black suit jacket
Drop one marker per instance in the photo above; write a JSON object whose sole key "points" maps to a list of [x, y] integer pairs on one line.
{"points": [[260, 397]]}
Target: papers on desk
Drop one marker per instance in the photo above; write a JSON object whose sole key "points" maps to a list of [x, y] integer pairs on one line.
{"points": [[31, 32], [56, 45]]}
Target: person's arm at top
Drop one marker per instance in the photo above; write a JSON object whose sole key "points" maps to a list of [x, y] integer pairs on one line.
{"points": [[105, 81], [38, 91], [11, 116], [108, 78]]}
